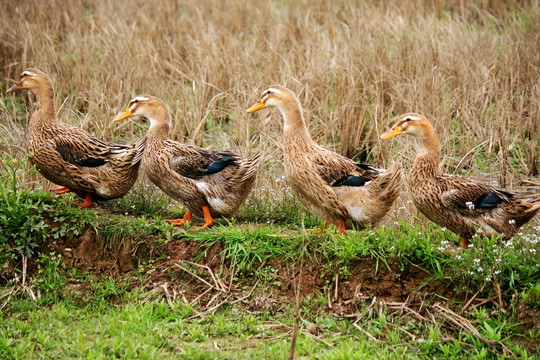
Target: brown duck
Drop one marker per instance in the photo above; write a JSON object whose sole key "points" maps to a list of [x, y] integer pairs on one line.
{"points": [[457, 203], [332, 187], [209, 183], [69, 156]]}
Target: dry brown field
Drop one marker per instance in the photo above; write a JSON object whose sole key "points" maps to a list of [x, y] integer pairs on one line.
{"points": [[473, 68]]}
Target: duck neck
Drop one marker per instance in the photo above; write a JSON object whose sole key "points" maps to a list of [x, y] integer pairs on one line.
{"points": [[428, 153], [159, 130], [45, 98], [294, 126]]}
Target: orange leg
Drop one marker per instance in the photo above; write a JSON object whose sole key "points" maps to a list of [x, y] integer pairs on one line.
{"points": [[464, 243], [87, 201], [208, 220], [342, 230], [60, 189], [180, 222], [319, 231]]}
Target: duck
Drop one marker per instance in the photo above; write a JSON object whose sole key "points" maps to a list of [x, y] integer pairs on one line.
{"points": [[462, 205], [333, 187], [70, 157], [208, 183]]}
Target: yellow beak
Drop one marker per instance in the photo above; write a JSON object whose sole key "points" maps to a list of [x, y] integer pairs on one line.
{"points": [[395, 131], [124, 115], [14, 88], [258, 106]]}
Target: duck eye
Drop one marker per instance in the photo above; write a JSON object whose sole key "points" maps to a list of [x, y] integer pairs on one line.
{"points": [[407, 119], [135, 101]]}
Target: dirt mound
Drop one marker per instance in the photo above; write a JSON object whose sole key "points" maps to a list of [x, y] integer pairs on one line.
{"points": [[201, 275], [365, 279]]}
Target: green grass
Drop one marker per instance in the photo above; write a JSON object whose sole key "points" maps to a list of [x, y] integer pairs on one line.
{"points": [[108, 328], [80, 315]]}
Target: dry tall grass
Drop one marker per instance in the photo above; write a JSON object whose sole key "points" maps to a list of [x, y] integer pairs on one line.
{"points": [[471, 67]]}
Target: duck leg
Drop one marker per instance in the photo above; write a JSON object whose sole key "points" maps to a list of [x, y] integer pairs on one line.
{"points": [[342, 229], [87, 201], [464, 243], [179, 222], [319, 231], [208, 220], [58, 189]]}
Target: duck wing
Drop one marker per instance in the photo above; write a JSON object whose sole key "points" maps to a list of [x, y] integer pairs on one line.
{"points": [[80, 148], [469, 197], [195, 162], [337, 170]]}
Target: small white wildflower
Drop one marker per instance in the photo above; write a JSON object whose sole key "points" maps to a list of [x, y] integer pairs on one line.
{"points": [[511, 221], [470, 205]]}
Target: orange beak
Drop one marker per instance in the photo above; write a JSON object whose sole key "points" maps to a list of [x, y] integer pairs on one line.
{"points": [[124, 115], [14, 88], [395, 131], [258, 106]]}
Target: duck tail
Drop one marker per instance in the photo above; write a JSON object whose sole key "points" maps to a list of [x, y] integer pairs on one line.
{"points": [[522, 209], [527, 204], [247, 172], [139, 146], [388, 185]]}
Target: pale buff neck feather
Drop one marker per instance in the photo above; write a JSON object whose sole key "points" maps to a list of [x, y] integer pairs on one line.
{"points": [[45, 97], [428, 141], [160, 122], [293, 119]]}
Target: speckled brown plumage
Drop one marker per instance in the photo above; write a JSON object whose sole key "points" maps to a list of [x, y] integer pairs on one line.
{"points": [[69, 156], [331, 186], [196, 177], [457, 203]]}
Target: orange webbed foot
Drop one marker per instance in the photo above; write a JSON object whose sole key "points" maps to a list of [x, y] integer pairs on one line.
{"points": [[208, 220], [180, 222], [320, 230], [87, 201], [60, 190]]}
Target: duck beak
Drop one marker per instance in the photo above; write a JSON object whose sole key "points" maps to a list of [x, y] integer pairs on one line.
{"points": [[14, 88], [258, 106], [124, 115], [395, 131]]}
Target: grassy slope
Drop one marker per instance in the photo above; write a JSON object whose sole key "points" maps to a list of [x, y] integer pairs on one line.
{"points": [[84, 312]]}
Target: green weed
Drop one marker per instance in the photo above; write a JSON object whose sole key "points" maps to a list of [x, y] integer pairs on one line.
{"points": [[21, 224]]}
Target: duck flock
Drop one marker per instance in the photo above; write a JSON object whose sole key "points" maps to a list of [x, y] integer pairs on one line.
{"points": [[214, 184]]}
